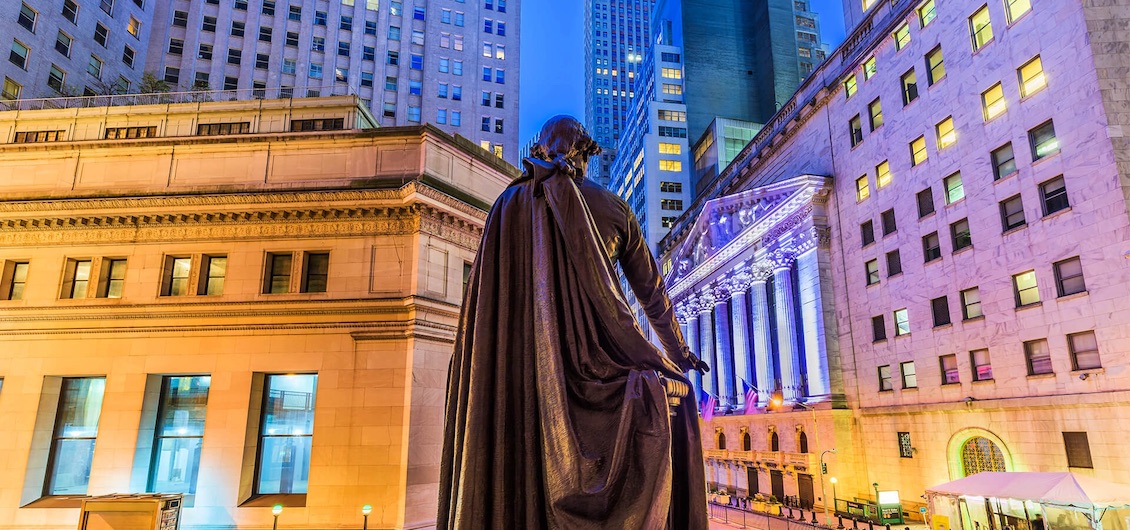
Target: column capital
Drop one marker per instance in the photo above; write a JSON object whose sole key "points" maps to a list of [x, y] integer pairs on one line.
{"points": [[721, 290], [761, 271], [740, 282], [782, 258], [706, 300]]}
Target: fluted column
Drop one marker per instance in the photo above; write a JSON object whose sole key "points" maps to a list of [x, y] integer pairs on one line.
{"points": [[706, 339], [723, 355], [690, 332], [739, 318], [812, 315], [762, 341], [787, 347]]}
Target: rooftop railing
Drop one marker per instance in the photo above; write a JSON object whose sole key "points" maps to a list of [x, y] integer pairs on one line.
{"points": [[168, 98]]}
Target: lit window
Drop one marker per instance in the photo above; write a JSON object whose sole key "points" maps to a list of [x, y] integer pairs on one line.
{"points": [[1038, 356], [113, 278], [670, 165], [946, 134], [669, 88], [1025, 289], [76, 279], [72, 440], [316, 266], [277, 279], [179, 434], [1053, 195], [955, 191], [666, 148], [672, 73], [134, 26], [950, 375], [286, 430], [1043, 140], [935, 66], [875, 110], [850, 86], [1084, 349], [214, 269], [918, 151], [867, 4], [1069, 277], [885, 378], [871, 268], [862, 188], [909, 377], [902, 322], [979, 362], [981, 28], [926, 13], [1017, 8], [909, 87], [869, 68], [971, 303], [902, 36], [15, 279], [1031, 77], [883, 174], [992, 102], [1012, 213]]}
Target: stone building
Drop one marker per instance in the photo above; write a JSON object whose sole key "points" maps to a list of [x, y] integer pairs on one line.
{"points": [[978, 215], [249, 303]]}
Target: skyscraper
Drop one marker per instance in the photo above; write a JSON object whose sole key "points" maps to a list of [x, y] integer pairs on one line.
{"points": [[617, 37], [448, 62]]}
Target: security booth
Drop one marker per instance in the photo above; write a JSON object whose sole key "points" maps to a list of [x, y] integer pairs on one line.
{"points": [[136, 511], [1028, 501]]}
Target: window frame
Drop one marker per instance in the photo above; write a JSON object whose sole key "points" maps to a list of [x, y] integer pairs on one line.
{"points": [[1075, 351], [1061, 289], [940, 311], [975, 367], [885, 382], [905, 375], [951, 374], [1019, 292], [967, 304], [1028, 346], [1045, 197], [961, 237], [1007, 213]]}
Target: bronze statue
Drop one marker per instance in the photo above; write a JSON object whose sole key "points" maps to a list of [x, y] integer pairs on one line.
{"points": [[556, 411]]}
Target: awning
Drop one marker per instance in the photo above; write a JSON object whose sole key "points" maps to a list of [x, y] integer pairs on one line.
{"points": [[1055, 489]]}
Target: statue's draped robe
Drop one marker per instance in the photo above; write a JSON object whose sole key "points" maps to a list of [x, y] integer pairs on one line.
{"points": [[556, 416]]}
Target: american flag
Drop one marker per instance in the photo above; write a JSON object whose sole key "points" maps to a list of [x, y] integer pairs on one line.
{"points": [[750, 398], [706, 404]]}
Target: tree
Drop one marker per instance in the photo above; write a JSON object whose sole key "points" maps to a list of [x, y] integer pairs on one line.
{"points": [[150, 84]]}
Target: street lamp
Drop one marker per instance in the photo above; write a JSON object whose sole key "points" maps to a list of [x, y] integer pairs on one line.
{"points": [[827, 518], [365, 510], [276, 510], [834, 496]]}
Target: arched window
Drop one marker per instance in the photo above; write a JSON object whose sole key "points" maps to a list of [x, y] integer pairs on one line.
{"points": [[774, 442], [747, 442], [803, 442], [721, 440], [980, 454]]}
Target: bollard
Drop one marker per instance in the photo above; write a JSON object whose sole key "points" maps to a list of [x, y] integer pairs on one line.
{"points": [[839, 522], [870, 524], [854, 523], [813, 516], [791, 512]]}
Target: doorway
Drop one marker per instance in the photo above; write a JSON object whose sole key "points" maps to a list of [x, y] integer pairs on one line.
{"points": [[777, 482], [751, 477], [804, 485]]}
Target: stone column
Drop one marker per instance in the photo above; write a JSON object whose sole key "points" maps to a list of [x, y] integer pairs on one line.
{"points": [[739, 318], [762, 342], [706, 339], [787, 346], [812, 315], [689, 320], [723, 354]]}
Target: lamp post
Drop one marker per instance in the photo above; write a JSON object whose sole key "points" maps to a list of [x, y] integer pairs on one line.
{"points": [[827, 518], [833, 481], [365, 510], [276, 510], [777, 400]]}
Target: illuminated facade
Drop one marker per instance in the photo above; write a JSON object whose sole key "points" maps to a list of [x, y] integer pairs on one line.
{"points": [[247, 302], [453, 64], [977, 256]]}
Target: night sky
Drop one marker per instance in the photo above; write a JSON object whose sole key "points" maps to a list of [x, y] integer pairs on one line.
{"points": [[553, 78]]}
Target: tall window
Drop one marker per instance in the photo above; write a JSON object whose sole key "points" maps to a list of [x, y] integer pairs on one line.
{"points": [[955, 191], [980, 28], [940, 307], [1053, 195], [214, 270], [285, 434], [902, 36], [867, 232], [178, 434], [979, 362], [909, 375], [27, 17], [925, 200], [946, 133], [1004, 163], [277, 279], [1016, 8], [992, 102], [77, 279], [855, 129], [883, 174], [72, 441], [869, 68], [1038, 357], [1078, 450], [872, 269], [315, 272], [950, 375], [885, 378], [961, 237], [15, 279], [935, 66], [894, 263], [1043, 141], [1069, 277], [850, 86], [1084, 349], [878, 329], [113, 278], [931, 247], [1031, 77], [918, 151], [888, 220], [971, 303], [909, 87], [1025, 289], [1012, 213], [926, 13], [862, 189], [902, 322], [177, 270], [875, 111]]}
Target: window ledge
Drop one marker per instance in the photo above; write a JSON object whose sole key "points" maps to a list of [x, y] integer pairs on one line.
{"points": [[978, 318], [935, 260], [1049, 375], [1019, 18], [1029, 306], [1008, 176], [1089, 371], [880, 341], [907, 334], [953, 384], [1072, 296], [873, 284], [286, 499], [944, 326], [910, 389], [985, 45], [895, 275], [962, 249], [984, 381], [1015, 229], [1056, 213], [959, 201], [881, 390], [1046, 157]]}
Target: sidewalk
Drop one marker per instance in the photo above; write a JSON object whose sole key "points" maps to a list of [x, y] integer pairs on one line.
{"points": [[724, 517]]}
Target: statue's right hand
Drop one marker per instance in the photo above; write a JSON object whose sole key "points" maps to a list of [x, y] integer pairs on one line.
{"points": [[690, 361]]}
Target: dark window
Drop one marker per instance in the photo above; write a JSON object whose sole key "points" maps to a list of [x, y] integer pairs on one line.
{"points": [[1043, 140], [209, 24], [180, 19], [1069, 277], [1004, 163], [855, 129], [1053, 195], [959, 231], [941, 308], [262, 61], [315, 272], [238, 28], [802, 443], [1084, 349], [894, 263], [277, 279], [234, 56], [325, 124], [265, 33], [320, 18], [176, 46], [1012, 213], [950, 375], [867, 230], [878, 328], [219, 129], [27, 17], [931, 247], [888, 221], [292, 38], [231, 82], [100, 34], [1038, 356], [1078, 449], [925, 202], [905, 449], [268, 7], [70, 11]]}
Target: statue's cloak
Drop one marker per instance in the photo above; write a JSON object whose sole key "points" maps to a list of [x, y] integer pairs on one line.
{"points": [[556, 416]]}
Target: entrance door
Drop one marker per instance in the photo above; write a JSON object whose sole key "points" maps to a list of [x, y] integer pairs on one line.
{"points": [[751, 476], [804, 484], [777, 481]]}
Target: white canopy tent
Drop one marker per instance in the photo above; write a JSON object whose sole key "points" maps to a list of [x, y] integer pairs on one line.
{"points": [[1018, 499]]}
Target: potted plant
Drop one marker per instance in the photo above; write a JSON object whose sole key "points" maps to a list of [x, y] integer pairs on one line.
{"points": [[774, 507]]}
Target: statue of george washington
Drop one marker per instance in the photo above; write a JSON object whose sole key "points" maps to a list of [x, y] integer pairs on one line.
{"points": [[557, 415]]}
